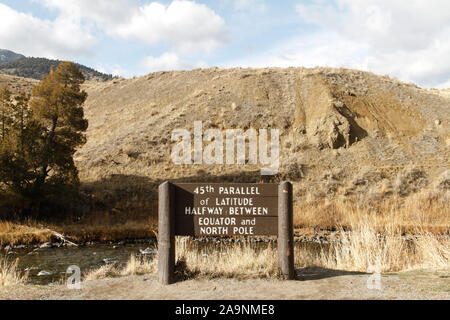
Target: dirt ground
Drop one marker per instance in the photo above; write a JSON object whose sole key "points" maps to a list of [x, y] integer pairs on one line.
{"points": [[310, 284]]}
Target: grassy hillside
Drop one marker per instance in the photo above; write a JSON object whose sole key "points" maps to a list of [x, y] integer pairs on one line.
{"points": [[342, 131], [352, 142]]}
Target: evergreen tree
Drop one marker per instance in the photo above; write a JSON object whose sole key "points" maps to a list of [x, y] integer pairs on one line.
{"points": [[5, 111], [21, 114], [56, 103], [40, 136]]}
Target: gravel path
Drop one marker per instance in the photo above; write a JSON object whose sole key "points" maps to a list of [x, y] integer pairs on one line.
{"points": [[310, 284]]}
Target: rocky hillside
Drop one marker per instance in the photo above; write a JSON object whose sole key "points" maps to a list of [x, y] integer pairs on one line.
{"points": [[17, 84], [343, 132]]}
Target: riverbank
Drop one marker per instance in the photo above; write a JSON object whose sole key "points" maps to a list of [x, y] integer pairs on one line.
{"points": [[361, 250], [357, 238], [33, 233], [319, 221]]}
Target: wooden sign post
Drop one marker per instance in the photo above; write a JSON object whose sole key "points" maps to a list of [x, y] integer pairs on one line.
{"points": [[217, 210], [286, 231]]}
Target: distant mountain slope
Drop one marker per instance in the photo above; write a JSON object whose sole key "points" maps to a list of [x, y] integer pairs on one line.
{"points": [[35, 68], [8, 56]]}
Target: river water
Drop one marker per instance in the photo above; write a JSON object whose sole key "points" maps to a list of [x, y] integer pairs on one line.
{"points": [[49, 265]]}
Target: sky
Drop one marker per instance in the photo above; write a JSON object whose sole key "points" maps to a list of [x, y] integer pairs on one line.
{"points": [[406, 39]]}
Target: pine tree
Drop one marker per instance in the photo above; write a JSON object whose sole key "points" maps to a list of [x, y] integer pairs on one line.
{"points": [[39, 136], [5, 111], [56, 103], [22, 115]]}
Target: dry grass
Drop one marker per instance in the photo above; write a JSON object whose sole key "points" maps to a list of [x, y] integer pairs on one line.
{"points": [[113, 231], [422, 212], [370, 239], [134, 266], [9, 273], [417, 214], [432, 252], [231, 261], [106, 271], [31, 232], [364, 249], [23, 233], [139, 265]]}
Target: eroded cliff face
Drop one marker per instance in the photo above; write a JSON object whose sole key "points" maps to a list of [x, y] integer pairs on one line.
{"points": [[342, 131]]}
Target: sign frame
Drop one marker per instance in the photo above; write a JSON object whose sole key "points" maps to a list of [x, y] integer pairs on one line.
{"points": [[167, 224]]}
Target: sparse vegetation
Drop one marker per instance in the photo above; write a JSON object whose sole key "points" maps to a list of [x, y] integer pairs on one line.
{"points": [[426, 211], [240, 260], [419, 213], [134, 266], [9, 273], [364, 249], [28, 232]]}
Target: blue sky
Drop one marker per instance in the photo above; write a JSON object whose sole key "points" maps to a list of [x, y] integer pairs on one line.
{"points": [[404, 39]]}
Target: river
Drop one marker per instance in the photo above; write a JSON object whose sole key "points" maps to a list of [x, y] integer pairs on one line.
{"points": [[48, 265]]}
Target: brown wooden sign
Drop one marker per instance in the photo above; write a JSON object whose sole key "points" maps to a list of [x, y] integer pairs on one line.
{"points": [[215, 210]]}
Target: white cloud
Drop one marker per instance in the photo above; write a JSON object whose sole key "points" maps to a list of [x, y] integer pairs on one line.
{"points": [[324, 49], [61, 38], [407, 40], [187, 26], [169, 61]]}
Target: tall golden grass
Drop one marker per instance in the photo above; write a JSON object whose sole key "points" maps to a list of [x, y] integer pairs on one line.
{"points": [[384, 249], [229, 260], [389, 236], [364, 249], [138, 266], [420, 212], [10, 274], [427, 211], [28, 232], [134, 266], [101, 231], [361, 250], [32, 232]]}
